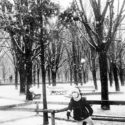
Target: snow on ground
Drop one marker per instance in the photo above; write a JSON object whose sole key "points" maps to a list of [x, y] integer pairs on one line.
{"points": [[9, 95]]}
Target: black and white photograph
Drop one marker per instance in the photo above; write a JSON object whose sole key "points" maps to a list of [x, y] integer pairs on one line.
{"points": [[62, 62]]}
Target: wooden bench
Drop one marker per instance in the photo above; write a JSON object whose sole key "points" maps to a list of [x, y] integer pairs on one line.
{"points": [[36, 96], [57, 90], [87, 89], [62, 91], [36, 93]]}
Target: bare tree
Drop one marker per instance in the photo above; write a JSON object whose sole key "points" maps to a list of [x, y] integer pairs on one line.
{"points": [[101, 35]]}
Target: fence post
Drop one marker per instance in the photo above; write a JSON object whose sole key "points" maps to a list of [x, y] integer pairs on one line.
{"points": [[37, 108], [53, 117]]}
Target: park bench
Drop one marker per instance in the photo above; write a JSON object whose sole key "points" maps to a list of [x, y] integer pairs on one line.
{"points": [[63, 91], [84, 89], [36, 96], [57, 90], [36, 93], [87, 89]]}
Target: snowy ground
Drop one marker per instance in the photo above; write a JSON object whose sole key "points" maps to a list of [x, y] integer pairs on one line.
{"points": [[9, 96]]}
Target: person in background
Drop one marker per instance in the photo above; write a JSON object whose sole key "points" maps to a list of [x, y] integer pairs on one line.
{"points": [[82, 111]]}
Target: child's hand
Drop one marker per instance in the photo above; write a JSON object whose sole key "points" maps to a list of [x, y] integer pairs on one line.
{"points": [[68, 114]]}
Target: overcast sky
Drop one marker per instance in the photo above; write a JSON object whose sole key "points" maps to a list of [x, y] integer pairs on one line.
{"points": [[63, 3]]}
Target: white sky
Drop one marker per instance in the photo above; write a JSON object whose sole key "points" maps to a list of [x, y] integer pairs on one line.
{"points": [[63, 3]]}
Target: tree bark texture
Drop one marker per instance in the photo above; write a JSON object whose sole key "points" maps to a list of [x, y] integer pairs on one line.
{"points": [[38, 74], [122, 76], [16, 77], [94, 78], [29, 80], [71, 75], [115, 73], [104, 79], [94, 73], [28, 76], [22, 79], [111, 74], [53, 78], [84, 76], [75, 75], [49, 76], [45, 114]]}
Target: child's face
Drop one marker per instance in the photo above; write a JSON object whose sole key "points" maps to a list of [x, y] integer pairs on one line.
{"points": [[75, 95]]}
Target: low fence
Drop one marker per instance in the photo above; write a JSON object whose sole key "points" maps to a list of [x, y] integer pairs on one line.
{"points": [[53, 111], [94, 117]]}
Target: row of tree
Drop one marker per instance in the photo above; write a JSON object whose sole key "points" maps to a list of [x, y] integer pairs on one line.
{"points": [[58, 47], [100, 32]]}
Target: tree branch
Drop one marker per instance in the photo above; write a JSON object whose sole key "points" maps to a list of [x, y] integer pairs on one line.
{"points": [[13, 40], [118, 21], [105, 10]]}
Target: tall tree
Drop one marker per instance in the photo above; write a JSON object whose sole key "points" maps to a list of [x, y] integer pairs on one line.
{"points": [[9, 23], [100, 35], [55, 51], [31, 26], [42, 11], [76, 50]]}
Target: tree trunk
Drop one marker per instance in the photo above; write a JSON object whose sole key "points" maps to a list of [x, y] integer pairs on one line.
{"points": [[38, 73], [111, 75], [115, 73], [28, 79], [53, 78], [22, 79], [45, 114], [70, 76], [75, 75], [16, 78], [121, 75], [80, 76], [94, 78], [49, 77], [94, 74], [87, 76], [104, 79], [66, 76], [84, 76], [74, 62], [34, 75]]}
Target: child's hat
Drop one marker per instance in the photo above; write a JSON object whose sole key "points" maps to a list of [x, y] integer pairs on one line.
{"points": [[76, 89]]}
